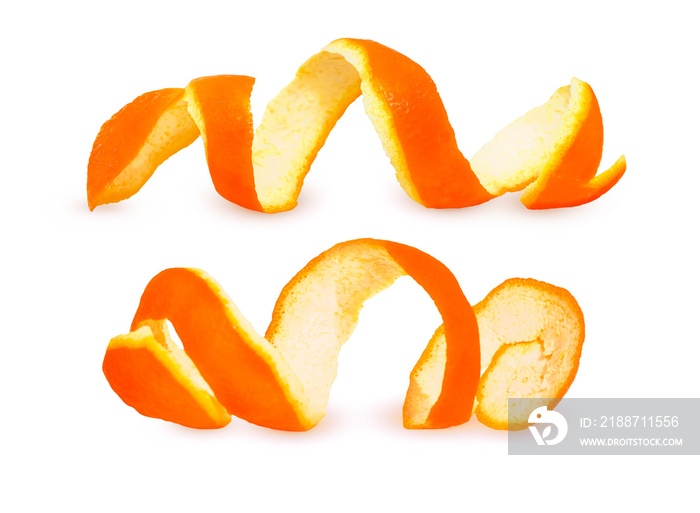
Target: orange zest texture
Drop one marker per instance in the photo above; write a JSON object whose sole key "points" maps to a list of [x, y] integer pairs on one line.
{"points": [[523, 340], [552, 153]]}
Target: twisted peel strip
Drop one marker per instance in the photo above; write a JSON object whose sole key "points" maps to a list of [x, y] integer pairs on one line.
{"points": [[552, 152], [531, 336]]}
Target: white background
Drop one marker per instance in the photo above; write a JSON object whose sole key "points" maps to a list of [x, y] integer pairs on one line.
{"points": [[72, 278]]}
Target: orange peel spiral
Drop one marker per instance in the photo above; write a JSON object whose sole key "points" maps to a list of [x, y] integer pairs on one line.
{"points": [[552, 152], [527, 329]]}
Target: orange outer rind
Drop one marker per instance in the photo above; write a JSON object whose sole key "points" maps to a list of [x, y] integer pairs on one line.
{"points": [[220, 107], [527, 329], [552, 152], [154, 376], [134, 142]]}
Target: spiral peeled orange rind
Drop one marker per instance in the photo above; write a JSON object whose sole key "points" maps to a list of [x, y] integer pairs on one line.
{"points": [[283, 380], [552, 152], [523, 340]]}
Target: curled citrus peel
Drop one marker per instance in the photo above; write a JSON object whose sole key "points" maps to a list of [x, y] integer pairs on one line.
{"points": [[552, 152], [283, 380], [531, 335]]}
